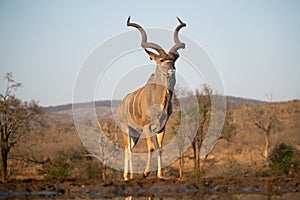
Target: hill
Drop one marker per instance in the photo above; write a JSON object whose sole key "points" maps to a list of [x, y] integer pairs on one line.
{"points": [[231, 101], [239, 101], [105, 103]]}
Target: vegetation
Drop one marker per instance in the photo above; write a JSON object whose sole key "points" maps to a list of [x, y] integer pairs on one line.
{"points": [[204, 98], [17, 119], [59, 168], [285, 161], [57, 152], [195, 117], [75, 164]]}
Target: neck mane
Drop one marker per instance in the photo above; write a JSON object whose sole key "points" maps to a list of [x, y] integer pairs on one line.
{"points": [[161, 78]]}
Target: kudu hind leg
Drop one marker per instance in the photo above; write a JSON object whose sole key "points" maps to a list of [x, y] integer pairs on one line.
{"points": [[150, 144]]}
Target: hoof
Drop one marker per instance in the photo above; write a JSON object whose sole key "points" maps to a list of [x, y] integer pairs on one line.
{"points": [[146, 174], [127, 180], [162, 178]]}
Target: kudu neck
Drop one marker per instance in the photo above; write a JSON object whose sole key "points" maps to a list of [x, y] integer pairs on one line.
{"points": [[163, 78]]}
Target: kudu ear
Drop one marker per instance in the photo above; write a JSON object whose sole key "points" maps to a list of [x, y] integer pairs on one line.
{"points": [[174, 56], [152, 55]]}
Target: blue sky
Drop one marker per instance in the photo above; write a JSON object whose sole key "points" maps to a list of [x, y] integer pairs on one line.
{"points": [[255, 45]]}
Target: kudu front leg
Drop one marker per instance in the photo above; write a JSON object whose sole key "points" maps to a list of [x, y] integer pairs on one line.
{"points": [[128, 160], [125, 175], [159, 140]]}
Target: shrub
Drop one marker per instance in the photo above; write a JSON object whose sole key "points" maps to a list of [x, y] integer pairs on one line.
{"points": [[58, 168], [285, 160], [74, 164], [63, 166], [94, 170], [195, 175]]}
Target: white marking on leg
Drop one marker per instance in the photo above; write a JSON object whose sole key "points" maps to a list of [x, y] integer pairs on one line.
{"points": [[159, 173], [130, 157], [131, 143], [159, 139], [130, 164], [126, 165]]}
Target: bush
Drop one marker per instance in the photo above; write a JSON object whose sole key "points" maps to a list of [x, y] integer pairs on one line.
{"points": [[64, 165], [94, 170], [285, 161], [59, 168], [195, 175], [74, 164]]}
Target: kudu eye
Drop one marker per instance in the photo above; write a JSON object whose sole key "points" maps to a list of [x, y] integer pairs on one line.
{"points": [[161, 60]]}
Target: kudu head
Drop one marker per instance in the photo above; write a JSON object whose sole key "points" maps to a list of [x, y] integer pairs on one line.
{"points": [[165, 61]]}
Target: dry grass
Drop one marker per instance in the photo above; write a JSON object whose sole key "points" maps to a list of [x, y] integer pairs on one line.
{"points": [[242, 157]]}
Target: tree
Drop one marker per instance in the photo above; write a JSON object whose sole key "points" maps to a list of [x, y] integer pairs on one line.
{"points": [[229, 129], [264, 118], [197, 114], [186, 125], [267, 122], [16, 119], [185, 122], [204, 103]]}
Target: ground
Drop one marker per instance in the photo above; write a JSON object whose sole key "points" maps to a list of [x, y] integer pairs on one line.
{"points": [[153, 187]]}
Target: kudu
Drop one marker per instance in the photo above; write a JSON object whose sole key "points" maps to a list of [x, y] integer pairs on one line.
{"points": [[146, 110]]}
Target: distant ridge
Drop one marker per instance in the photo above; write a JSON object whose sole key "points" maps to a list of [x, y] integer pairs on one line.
{"points": [[231, 102], [104, 103], [238, 101]]}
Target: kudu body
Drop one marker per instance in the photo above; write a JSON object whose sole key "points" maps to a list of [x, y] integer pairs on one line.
{"points": [[146, 110]]}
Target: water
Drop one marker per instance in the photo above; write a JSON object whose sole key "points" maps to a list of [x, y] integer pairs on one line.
{"points": [[245, 193]]}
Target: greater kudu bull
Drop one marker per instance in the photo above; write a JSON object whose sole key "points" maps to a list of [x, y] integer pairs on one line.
{"points": [[146, 110]]}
